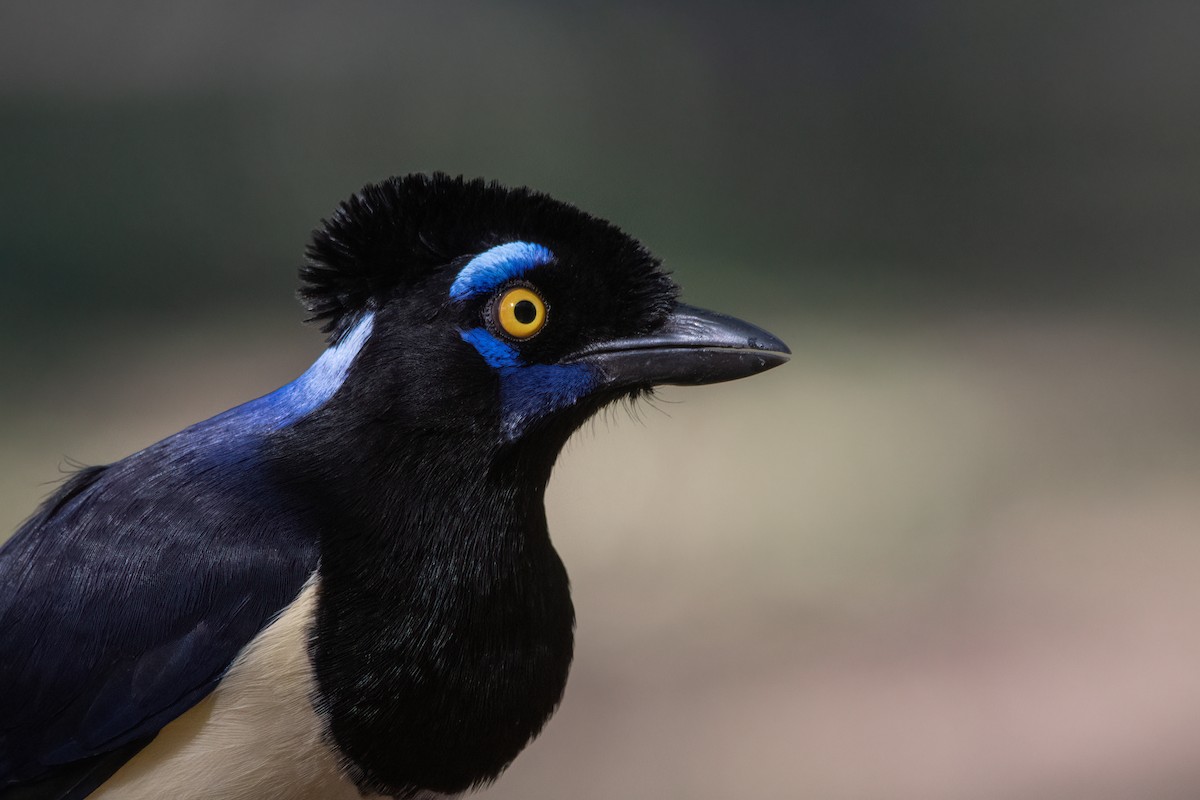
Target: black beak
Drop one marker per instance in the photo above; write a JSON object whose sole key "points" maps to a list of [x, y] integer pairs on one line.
{"points": [[692, 347]]}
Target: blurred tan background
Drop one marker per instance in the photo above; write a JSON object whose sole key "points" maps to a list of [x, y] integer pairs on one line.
{"points": [[950, 551]]}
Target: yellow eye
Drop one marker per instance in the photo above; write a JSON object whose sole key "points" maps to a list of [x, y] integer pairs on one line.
{"points": [[520, 312]]}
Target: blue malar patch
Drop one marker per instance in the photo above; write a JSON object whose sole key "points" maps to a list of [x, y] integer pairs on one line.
{"points": [[529, 391]]}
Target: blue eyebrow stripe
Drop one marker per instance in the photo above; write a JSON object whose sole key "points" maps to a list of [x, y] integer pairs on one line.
{"points": [[502, 263]]}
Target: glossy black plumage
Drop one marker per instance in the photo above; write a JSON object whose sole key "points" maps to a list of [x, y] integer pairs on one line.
{"points": [[407, 469], [396, 234]]}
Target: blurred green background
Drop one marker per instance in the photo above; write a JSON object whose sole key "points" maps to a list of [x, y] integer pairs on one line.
{"points": [[950, 551]]}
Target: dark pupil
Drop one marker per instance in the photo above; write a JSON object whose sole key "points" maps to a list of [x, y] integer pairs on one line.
{"points": [[525, 312]]}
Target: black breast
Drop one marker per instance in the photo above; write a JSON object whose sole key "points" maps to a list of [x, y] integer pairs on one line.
{"points": [[436, 670]]}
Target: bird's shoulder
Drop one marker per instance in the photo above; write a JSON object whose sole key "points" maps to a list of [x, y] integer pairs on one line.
{"points": [[128, 594]]}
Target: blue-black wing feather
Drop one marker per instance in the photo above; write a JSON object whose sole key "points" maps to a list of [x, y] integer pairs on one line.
{"points": [[130, 592]]}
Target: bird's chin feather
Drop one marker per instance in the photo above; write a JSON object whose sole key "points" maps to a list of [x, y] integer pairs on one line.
{"points": [[548, 435]]}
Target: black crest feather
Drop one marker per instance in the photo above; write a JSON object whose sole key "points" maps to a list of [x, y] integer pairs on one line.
{"points": [[402, 228]]}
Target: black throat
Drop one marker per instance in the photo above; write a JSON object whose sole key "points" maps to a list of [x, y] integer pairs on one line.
{"points": [[444, 623]]}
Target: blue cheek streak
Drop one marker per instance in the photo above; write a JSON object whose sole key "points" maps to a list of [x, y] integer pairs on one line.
{"points": [[496, 353], [529, 391], [493, 268]]}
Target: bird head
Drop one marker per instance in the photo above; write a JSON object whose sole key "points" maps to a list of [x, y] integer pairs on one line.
{"points": [[504, 314]]}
